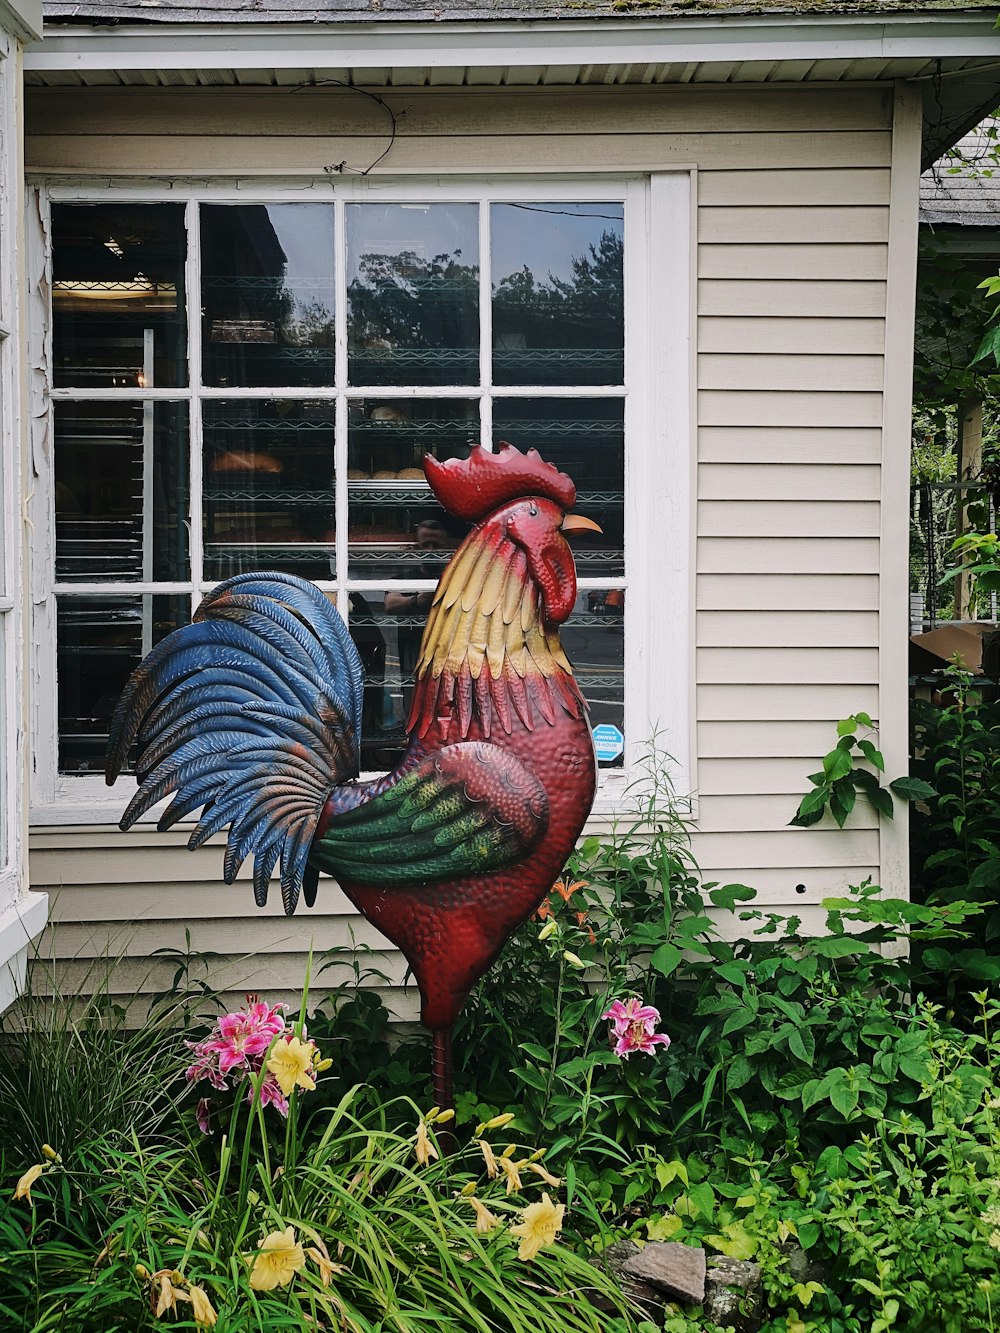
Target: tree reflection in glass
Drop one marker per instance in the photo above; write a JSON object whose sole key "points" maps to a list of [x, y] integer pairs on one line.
{"points": [[558, 293], [413, 293]]}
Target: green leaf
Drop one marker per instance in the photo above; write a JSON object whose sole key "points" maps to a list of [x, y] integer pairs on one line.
{"points": [[842, 800], [881, 800], [802, 1044], [912, 789], [533, 1077], [837, 764], [537, 1052], [846, 726], [666, 959], [864, 719], [731, 894], [845, 1098], [873, 756], [814, 800], [734, 1241]]}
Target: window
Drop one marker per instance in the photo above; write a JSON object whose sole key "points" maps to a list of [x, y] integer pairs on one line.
{"points": [[249, 381]]}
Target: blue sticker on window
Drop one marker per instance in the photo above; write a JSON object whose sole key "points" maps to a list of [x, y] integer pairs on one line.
{"points": [[609, 742]]}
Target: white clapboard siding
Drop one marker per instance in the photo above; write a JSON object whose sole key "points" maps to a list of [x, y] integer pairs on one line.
{"points": [[755, 297], [816, 262], [794, 702], [790, 373], [794, 889], [801, 337], [764, 592], [787, 629], [791, 666], [765, 480], [790, 444], [841, 188], [793, 228], [778, 555], [754, 812], [804, 518], [775, 739], [786, 777], [789, 225]]}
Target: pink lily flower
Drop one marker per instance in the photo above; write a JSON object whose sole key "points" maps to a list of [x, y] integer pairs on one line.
{"points": [[634, 1026]]}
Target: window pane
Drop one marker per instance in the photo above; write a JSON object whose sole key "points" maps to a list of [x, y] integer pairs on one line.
{"points": [[594, 639], [387, 626], [101, 640], [118, 295], [121, 500], [413, 293], [558, 305], [586, 438], [268, 486], [397, 528], [267, 294]]}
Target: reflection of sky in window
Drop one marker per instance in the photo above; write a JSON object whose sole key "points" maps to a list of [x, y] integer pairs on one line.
{"points": [[425, 230], [305, 233], [547, 237]]}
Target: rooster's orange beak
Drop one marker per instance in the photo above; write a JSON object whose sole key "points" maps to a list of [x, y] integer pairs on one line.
{"points": [[577, 523]]}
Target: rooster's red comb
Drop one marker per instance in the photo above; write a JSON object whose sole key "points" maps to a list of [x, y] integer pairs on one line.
{"points": [[470, 488]]}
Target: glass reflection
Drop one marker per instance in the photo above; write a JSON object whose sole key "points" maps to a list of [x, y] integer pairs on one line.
{"points": [[413, 293], [118, 313], [594, 639], [121, 491], [387, 626], [584, 437], [101, 641], [268, 294], [558, 293], [268, 487], [388, 496]]}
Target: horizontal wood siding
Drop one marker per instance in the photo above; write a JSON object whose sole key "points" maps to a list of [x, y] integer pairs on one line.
{"points": [[793, 231]]}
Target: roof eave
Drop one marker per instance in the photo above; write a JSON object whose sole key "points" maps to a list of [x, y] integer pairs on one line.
{"points": [[446, 44]]}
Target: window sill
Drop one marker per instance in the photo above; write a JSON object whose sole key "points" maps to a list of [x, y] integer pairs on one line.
{"points": [[19, 924]]}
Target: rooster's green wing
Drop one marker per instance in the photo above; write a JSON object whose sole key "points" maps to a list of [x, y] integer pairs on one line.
{"points": [[466, 809]]}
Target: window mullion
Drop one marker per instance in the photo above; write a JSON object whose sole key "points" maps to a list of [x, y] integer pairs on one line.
{"points": [[485, 327], [340, 499], [196, 529]]}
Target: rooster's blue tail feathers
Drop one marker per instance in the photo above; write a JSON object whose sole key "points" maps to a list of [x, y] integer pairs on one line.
{"points": [[252, 711]]}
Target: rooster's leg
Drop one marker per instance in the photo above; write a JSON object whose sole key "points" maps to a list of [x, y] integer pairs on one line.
{"points": [[441, 1069]]}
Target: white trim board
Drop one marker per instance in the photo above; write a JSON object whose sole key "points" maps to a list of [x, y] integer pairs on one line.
{"points": [[565, 42]]}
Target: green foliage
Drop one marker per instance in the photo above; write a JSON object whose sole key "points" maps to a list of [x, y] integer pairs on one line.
{"points": [[837, 786], [956, 836], [71, 1068]]}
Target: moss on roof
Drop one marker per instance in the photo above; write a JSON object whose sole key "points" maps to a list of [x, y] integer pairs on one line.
{"points": [[285, 11]]}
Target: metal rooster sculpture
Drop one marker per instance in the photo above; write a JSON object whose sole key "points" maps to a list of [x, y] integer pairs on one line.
{"points": [[253, 712]]}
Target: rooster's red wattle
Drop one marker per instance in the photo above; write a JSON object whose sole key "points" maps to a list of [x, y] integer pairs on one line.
{"points": [[253, 712]]}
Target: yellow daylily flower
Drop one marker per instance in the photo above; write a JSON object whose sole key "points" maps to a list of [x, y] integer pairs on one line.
{"points": [[492, 1170], [50, 1152], [291, 1065], [23, 1188], [324, 1263], [424, 1150], [278, 1259], [510, 1170], [539, 1225], [485, 1220], [201, 1307], [169, 1294], [499, 1121], [545, 1174]]}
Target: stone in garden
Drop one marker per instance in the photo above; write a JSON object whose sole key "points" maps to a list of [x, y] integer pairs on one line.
{"points": [[677, 1269], [734, 1294], [613, 1260]]}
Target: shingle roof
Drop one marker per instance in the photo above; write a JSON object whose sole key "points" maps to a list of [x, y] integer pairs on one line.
{"points": [[964, 190], [330, 11]]}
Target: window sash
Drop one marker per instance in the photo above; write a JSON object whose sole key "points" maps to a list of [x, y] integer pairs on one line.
{"points": [[656, 399]]}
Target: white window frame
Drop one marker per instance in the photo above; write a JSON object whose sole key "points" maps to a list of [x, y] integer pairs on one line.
{"points": [[22, 913], [657, 397]]}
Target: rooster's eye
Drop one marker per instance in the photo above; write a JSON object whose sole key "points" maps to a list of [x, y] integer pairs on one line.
{"points": [[533, 510]]}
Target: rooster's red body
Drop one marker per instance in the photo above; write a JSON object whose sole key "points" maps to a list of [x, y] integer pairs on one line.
{"points": [[253, 712]]}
